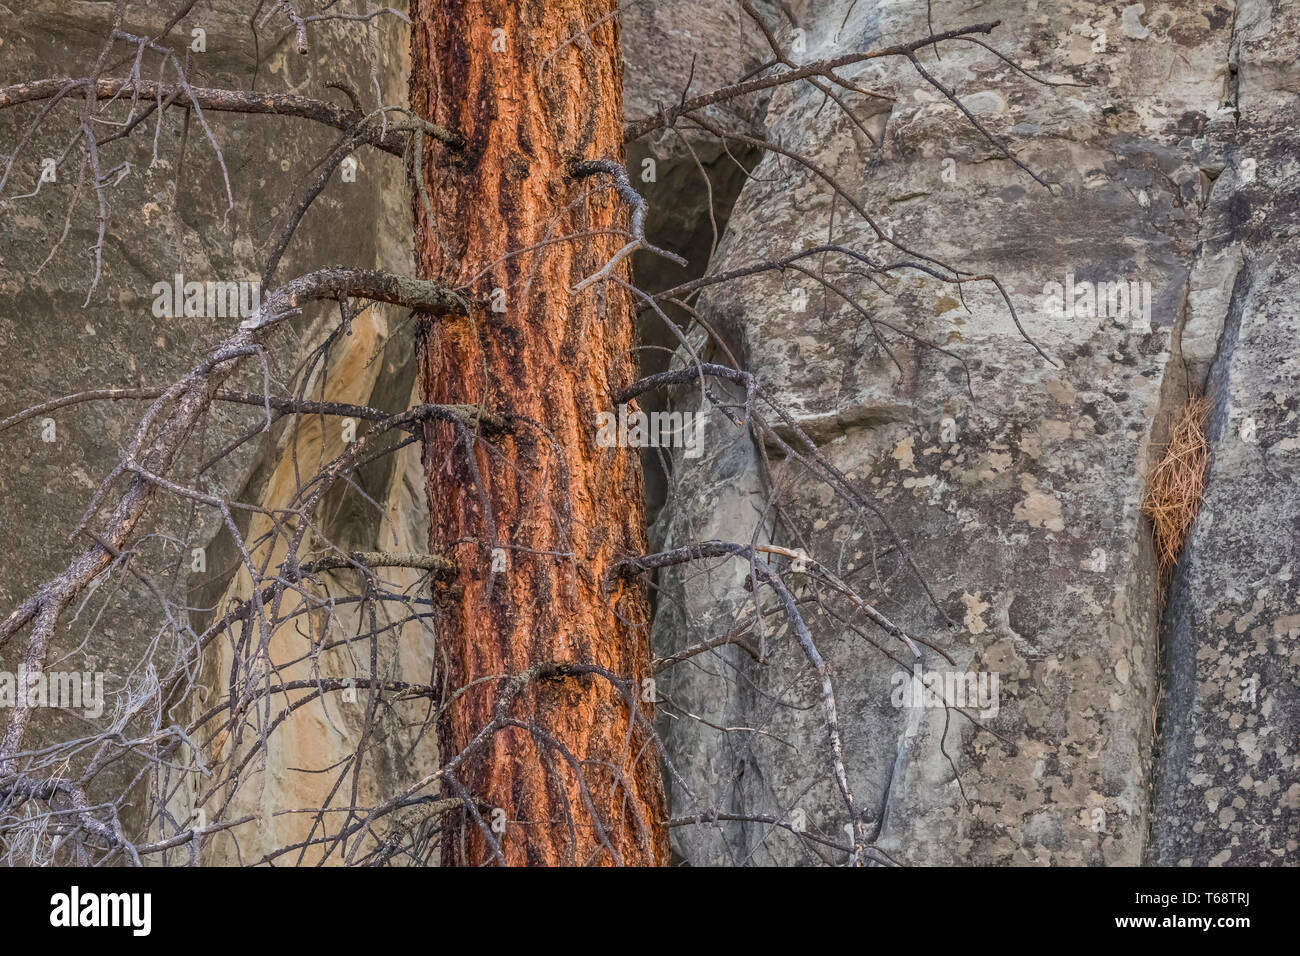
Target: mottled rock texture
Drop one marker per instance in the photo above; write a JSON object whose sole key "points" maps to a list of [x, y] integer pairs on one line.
{"points": [[1021, 504], [1229, 776], [1120, 735]]}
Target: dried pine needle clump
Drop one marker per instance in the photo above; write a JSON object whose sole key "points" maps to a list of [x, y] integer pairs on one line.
{"points": [[1176, 487]]}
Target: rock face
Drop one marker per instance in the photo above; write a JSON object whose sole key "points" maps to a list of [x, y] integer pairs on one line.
{"points": [[1229, 790], [1020, 499], [1099, 730], [167, 215]]}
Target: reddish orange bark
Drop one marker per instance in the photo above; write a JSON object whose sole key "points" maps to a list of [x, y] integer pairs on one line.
{"points": [[533, 87]]}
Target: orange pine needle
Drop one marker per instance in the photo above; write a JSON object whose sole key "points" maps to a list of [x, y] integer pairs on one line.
{"points": [[1175, 488]]}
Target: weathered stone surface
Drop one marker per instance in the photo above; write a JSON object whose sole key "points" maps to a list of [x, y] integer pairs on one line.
{"points": [[1021, 505], [668, 44], [1174, 164], [55, 345], [1229, 791]]}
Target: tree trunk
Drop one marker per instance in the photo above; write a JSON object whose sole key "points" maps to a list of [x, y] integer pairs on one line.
{"points": [[532, 88]]}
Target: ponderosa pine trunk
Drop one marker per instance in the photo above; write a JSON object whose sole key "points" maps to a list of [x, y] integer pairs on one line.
{"points": [[533, 87]]}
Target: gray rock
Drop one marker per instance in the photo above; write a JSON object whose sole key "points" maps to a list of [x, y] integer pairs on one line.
{"points": [[1021, 505], [1229, 775]]}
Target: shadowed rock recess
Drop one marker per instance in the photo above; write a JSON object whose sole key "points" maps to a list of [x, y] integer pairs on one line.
{"points": [[1113, 733]]}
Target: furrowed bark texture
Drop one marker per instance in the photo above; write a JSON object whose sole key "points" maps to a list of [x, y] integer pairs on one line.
{"points": [[534, 87]]}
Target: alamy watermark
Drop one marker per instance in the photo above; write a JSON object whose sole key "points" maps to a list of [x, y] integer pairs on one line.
{"points": [[212, 300], [638, 429], [68, 690], [1126, 302], [133, 911], [976, 690]]}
